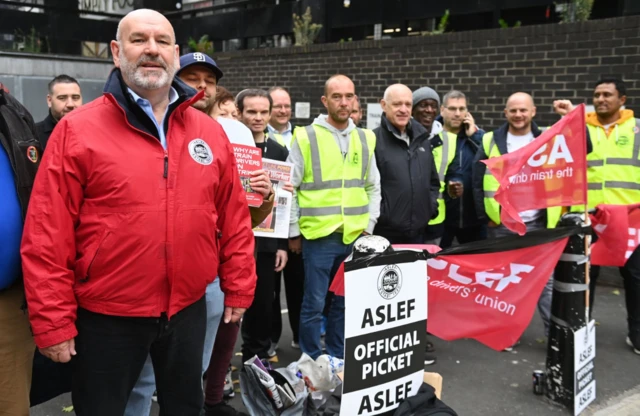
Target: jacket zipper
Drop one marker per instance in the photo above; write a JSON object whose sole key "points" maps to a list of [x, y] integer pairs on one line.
{"points": [[95, 256], [166, 165]]}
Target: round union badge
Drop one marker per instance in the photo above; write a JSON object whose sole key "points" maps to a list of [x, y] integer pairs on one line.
{"points": [[200, 151]]}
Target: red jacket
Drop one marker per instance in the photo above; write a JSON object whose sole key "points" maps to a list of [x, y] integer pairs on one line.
{"points": [[118, 226]]}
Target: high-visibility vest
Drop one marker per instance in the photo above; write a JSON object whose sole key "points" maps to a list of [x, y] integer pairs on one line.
{"points": [[448, 148], [277, 137], [332, 195], [490, 185], [613, 166]]}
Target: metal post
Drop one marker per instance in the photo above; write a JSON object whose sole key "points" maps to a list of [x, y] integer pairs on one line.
{"points": [[568, 314]]}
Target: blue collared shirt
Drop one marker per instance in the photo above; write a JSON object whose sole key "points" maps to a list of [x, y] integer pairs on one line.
{"points": [[145, 105], [287, 134]]}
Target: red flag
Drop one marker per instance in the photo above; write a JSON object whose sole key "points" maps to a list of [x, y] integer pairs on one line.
{"points": [[618, 230], [489, 297], [548, 172]]}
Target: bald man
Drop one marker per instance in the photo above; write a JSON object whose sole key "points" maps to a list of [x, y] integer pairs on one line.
{"points": [[407, 205], [118, 247], [336, 200], [517, 132]]}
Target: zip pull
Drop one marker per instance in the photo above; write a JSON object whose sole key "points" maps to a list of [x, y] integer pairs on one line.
{"points": [[166, 165]]}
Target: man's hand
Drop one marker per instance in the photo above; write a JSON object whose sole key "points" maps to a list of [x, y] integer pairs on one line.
{"points": [[233, 314], [470, 125], [491, 224], [288, 186], [295, 245], [60, 353], [281, 260], [562, 107], [455, 189], [261, 183]]}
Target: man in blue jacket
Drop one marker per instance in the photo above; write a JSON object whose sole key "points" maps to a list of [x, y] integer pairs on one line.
{"points": [[461, 220]]}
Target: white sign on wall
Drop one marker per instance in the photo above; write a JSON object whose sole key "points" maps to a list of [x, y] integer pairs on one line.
{"points": [[374, 113], [303, 110]]}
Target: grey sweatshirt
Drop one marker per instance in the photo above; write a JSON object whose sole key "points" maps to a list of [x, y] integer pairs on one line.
{"points": [[372, 182]]}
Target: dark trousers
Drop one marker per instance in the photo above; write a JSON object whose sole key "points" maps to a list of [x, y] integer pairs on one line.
{"points": [[463, 235], [112, 351], [294, 290], [220, 360], [631, 277], [257, 321]]}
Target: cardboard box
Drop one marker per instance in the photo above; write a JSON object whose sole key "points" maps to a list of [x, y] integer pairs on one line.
{"points": [[435, 380]]}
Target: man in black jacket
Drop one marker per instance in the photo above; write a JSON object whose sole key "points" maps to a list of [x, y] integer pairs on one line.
{"points": [[254, 107], [20, 153], [408, 175], [63, 97]]}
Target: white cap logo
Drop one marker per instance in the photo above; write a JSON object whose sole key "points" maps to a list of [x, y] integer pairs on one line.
{"points": [[199, 56]]}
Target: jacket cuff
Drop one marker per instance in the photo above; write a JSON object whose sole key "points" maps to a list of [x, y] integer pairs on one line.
{"points": [[238, 301], [371, 227], [294, 230], [55, 337]]}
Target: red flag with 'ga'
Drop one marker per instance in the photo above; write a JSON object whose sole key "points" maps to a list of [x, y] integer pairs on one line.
{"points": [[548, 172], [618, 230]]}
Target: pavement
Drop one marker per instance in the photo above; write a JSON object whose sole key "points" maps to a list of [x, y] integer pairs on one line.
{"points": [[480, 381]]}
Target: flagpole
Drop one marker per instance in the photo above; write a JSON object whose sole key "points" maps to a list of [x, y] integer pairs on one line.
{"points": [[587, 252]]}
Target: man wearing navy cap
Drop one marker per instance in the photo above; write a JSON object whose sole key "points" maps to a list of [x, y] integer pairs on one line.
{"points": [[200, 71]]}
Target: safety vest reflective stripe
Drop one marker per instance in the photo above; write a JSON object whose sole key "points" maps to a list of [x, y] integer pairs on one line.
{"points": [[442, 158], [313, 212], [318, 183]]}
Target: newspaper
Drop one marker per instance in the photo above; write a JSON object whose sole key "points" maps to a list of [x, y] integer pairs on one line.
{"points": [[276, 225]]}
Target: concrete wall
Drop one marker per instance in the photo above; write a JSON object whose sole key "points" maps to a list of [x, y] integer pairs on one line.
{"points": [[27, 76]]}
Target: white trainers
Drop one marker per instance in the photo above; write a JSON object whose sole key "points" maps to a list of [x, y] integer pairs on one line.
{"points": [[228, 390], [629, 343]]}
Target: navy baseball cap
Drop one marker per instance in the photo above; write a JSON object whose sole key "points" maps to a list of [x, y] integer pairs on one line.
{"points": [[199, 58]]}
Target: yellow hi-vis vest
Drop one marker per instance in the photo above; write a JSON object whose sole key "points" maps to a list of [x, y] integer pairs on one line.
{"points": [[490, 185], [277, 137], [613, 166], [332, 195], [448, 148]]}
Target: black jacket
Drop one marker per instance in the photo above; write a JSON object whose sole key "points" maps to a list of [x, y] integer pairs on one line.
{"points": [[275, 151], [45, 128], [19, 139], [479, 168], [461, 212], [408, 178]]}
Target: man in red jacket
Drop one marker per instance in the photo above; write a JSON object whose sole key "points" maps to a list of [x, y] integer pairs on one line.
{"points": [[137, 207]]}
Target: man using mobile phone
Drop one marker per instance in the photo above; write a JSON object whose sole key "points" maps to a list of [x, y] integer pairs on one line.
{"points": [[461, 133]]}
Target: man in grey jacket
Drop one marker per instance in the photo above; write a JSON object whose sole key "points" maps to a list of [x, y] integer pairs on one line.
{"points": [[336, 199]]}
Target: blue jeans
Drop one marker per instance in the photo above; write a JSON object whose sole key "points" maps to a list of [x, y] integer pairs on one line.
{"points": [[322, 257], [139, 403]]}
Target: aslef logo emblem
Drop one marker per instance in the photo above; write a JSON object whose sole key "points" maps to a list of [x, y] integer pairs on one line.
{"points": [[390, 281], [199, 56], [200, 151]]}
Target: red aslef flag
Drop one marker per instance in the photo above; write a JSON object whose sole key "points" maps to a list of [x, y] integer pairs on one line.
{"points": [[618, 230], [548, 172]]}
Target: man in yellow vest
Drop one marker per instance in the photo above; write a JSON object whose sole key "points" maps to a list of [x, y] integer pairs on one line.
{"points": [[337, 199], [426, 104], [613, 176], [519, 131]]}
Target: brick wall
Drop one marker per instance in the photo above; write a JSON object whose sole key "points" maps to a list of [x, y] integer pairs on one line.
{"points": [[548, 61]]}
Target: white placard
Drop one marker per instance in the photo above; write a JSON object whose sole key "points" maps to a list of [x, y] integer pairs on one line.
{"points": [[303, 110], [385, 335], [374, 114], [584, 348]]}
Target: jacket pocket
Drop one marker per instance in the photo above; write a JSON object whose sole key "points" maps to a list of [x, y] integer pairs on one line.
{"points": [[84, 277]]}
